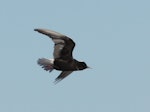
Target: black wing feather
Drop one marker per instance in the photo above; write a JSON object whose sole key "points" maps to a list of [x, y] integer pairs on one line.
{"points": [[63, 45], [63, 75]]}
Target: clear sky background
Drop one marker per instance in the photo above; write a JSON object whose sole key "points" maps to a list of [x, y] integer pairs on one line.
{"points": [[112, 37]]}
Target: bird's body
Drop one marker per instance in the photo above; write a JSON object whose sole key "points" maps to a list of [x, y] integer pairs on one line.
{"points": [[67, 65], [63, 59]]}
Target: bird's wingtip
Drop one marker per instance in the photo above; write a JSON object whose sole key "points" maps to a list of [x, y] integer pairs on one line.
{"points": [[57, 81]]}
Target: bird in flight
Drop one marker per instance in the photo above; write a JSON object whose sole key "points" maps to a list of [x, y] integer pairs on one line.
{"points": [[63, 58]]}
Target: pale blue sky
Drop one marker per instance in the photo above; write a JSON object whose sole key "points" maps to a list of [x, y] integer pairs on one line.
{"points": [[112, 36]]}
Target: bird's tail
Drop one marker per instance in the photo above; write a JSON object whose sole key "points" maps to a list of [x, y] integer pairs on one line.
{"points": [[47, 64]]}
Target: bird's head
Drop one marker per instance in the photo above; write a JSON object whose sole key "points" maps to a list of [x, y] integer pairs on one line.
{"points": [[82, 65]]}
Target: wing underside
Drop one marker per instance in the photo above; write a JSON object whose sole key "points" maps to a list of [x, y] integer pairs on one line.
{"points": [[63, 75]]}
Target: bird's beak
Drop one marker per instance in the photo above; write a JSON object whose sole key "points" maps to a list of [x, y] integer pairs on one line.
{"points": [[89, 67]]}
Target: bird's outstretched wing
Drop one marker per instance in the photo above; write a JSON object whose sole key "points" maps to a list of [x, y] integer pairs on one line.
{"points": [[63, 45], [63, 75]]}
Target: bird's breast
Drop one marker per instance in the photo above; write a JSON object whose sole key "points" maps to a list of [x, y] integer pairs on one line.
{"points": [[64, 65]]}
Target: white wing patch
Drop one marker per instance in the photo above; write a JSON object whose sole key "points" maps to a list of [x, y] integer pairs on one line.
{"points": [[51, 61], [57, 41]]}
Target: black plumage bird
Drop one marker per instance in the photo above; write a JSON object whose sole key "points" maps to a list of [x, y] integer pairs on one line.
{"points": [[63, 59]]}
